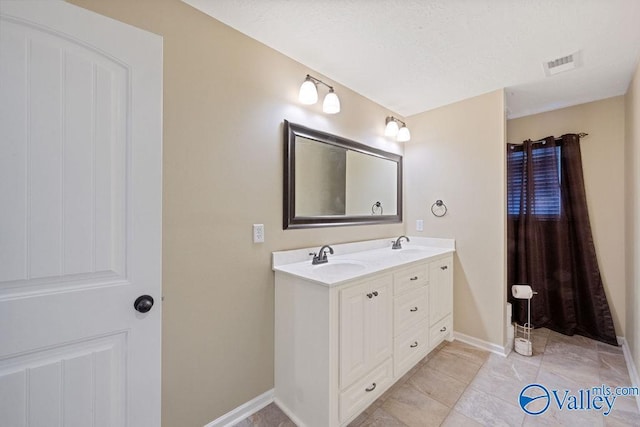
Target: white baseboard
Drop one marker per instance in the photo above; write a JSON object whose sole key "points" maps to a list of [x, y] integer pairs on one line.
{"points": [[485, 345], [631, 366], [243, 411]]}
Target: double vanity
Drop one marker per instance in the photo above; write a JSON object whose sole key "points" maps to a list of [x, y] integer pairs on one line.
{"points": [[349, 324]]}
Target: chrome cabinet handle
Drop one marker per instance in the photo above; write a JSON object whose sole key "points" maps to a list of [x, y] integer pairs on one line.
{"points": [[375, 293], [414, 309], [444, 328], [370, 295], [373, 387], [413, 278], [444, 267], [414, 345]]}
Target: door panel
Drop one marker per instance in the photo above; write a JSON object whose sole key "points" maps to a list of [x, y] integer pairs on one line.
{"points": [[69, 207], [353, 351], [80, 232], [379, 321]]}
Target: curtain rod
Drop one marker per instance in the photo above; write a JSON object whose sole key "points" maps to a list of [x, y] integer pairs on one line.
{"points": [[543, 141], [581, 135]]}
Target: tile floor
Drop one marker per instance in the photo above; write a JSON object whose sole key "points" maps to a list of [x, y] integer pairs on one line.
{"points": [[460, 385]]}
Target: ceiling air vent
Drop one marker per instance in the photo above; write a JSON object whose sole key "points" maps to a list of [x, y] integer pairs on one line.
{"points": [[565, 63]]}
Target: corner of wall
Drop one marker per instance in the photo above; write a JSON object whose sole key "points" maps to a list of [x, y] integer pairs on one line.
{"points": [[632, 210]]}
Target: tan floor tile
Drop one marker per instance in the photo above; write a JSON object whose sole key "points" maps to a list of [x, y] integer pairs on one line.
{"points": [[381, 418], [618, 418], [534, 359], [488, 410], [270, 416], [414, 408], [467, 352], [504, 378], [456, 419], [574, 366], [607, 348], [454, 366], [481, 389], [437, 385]]}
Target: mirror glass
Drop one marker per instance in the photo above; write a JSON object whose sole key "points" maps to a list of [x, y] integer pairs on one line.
{"points": [[332, 181]]}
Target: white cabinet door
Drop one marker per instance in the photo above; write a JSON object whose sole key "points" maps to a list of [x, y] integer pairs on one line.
{"points": [[354, 304], [440, 289], [379, 322], [80, 218], [365, 328]]}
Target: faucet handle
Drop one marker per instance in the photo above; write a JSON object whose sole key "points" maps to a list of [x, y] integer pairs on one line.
{"points": [[313, 254]]}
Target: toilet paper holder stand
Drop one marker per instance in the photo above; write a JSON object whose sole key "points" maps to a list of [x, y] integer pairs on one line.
{"points": [[522, 336]]}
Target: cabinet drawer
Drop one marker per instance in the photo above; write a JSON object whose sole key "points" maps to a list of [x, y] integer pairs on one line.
{"points": [[360, 395], [440, 331], [410, 278], [410, 347], [410, 309]]}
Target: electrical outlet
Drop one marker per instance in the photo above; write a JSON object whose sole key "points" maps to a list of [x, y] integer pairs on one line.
{"points": [[419, 225], [258, 233]]}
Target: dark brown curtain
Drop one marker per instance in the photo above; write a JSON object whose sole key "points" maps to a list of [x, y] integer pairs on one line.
{"points": [[550, 246]]}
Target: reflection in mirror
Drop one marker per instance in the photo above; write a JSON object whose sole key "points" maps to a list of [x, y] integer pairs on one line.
{"points": [[334, 181]]}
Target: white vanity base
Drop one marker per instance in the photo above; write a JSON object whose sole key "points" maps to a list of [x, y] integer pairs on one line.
{"points": [[340, 345]]}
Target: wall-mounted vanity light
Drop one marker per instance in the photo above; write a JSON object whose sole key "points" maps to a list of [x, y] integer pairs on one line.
{"points": [[401, 133], [309, 95]]}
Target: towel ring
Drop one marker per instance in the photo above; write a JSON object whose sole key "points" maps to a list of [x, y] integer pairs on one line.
{"points": [[377, 206], [439, 209]]}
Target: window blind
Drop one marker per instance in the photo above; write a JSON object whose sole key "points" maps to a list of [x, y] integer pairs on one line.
{"points": [[542, 196]]}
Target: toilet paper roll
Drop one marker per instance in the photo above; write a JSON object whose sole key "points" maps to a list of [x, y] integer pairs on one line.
{"points": [[522, 291]]}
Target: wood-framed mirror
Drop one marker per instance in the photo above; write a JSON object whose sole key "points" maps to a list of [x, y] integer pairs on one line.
{"points": [[333, 181]]}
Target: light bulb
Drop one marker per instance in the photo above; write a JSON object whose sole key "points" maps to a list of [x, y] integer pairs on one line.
{"points": [[392, 127], [403, 134], [308, 92], [331, 104]]}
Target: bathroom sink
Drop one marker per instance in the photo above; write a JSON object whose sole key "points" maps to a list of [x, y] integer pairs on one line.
{"points": [[339, 267]]}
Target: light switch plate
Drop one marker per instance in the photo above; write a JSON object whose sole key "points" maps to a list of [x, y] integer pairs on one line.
{"points": [[419, 225], [258, 233]]}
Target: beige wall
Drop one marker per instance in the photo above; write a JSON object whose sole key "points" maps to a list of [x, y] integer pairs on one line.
{"points": [[603, 169], [457, 154], [632, 219], [225, 98]]}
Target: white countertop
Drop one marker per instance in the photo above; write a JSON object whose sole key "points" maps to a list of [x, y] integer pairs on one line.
{"points": [[355, 260]]}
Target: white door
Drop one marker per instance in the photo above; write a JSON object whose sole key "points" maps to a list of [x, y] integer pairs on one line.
{"points": [[80, 218]]}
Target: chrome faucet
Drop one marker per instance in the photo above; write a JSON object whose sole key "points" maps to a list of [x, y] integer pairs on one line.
{"points": [[321, 256], [398, 244]]}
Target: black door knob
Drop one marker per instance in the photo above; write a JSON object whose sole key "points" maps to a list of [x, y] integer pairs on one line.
{"points": [[143, 303]]}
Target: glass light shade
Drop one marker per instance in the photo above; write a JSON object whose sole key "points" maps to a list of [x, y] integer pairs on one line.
{"points": [[392, 128], [308, 93], [331, 104], [403, 134]]}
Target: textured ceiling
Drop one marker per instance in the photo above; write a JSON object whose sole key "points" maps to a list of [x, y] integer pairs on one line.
{"points": [[415, 55]]}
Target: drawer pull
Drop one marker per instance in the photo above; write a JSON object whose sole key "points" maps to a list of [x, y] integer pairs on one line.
{"points": [[414, 309], [414, 345], [373, 387], [444, 267], [370, 295], [413, 278], [444, 328], [375, 293]]}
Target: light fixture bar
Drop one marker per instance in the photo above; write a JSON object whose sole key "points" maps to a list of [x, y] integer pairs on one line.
{"points": [[308, 95], [401, 133], [313, 79], [390, 118]]}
